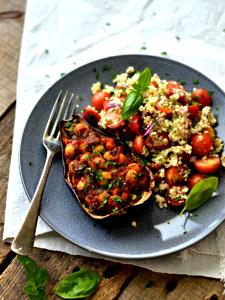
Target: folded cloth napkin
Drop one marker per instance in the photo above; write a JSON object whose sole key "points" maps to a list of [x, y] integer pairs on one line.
{"points": [[62, 35]]}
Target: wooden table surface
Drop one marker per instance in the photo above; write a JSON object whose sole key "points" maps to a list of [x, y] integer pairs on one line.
{"points": [[118, 281]]}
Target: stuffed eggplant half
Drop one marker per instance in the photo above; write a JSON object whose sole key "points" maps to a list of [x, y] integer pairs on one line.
{"points": [[105, 175]]}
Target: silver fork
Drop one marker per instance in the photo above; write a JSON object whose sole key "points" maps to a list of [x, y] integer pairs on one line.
{"points": [[24, 240]]}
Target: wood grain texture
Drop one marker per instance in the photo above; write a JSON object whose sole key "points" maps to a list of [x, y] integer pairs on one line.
{"points": [[11, 27]]}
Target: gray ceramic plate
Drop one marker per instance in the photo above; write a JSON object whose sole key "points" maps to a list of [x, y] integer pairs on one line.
{"points": [[158, 232]]}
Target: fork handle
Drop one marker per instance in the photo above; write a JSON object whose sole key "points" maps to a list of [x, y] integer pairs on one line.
{"points": [[24, 240]]}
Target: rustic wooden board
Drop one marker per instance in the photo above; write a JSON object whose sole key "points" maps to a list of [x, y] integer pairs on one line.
{"points": [[11, 26], [122, 282]]}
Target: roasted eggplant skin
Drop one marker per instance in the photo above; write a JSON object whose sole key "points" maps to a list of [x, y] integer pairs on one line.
{"points": [[105, 175]]}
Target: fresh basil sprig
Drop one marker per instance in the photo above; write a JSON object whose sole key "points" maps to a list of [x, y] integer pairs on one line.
{"points": [[36, 279], [79, 284], [200, 193], [135, 98]]}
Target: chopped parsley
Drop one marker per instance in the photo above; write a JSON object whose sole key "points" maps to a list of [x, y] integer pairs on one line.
{"points": [[177, 38], [224, 30], [195, 81], [211, 93], [164, 53], [104, 202], [107, 24], [95, 174], [167, 74], [30, 163], [115, 183], [46, 51], [105, 68], [80, 98], [62, 74], [170, 128], [217, 108], [110, 163], [143, 48], [182, 82]]}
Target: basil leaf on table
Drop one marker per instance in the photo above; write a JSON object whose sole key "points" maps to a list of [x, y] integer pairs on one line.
{"points": [[200, 193], [135, 98], [79, 284], [36, 278]]}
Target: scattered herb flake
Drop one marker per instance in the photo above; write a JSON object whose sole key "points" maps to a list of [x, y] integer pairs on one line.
{"points": [[195, 81], [177, 37], [164, 53], [46, 51], [62, 74], [217, 108], [185, 232], [97, 76], [211, 93], [182, 82], [224, 30], [30, 163], [80, 98], [107, 24], [94, 70], [47, 75], [105, 68], [143, 48], [167, 74]]}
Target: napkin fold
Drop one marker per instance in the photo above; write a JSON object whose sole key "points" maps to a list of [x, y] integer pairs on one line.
{"points": [[62, 35]]}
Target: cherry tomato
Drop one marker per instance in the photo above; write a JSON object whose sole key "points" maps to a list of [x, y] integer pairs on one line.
{"points": [[173, 87], [210, 131], [138, 144], [135, 124], [193, 111], [194, 179], [90, 115], [179, 199], [202, 96], [98, 99], [162, 142], [201, 144], [113, 118], [174, 175], [164, 109], [155, 166], [208, 165]]}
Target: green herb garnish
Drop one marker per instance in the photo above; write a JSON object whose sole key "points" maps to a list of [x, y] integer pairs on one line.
{"points": [[143, 48], [195, 81], [30, 163], [135, 98], [115, 183], [62, 74], [164, 53], [177, 37], [80, 284], [36, 278], [105, 68], [211, 93], [107, 24], [200, 193], [46, 51], [182, 82]]}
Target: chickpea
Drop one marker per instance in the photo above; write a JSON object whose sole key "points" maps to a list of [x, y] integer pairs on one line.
{"points": [[80, 185], [80, 128], [83, 146], [131, 176], [108, 156], [135, 167], [110, 144], [97, 162], [70, 150], [98, 148], [85, 157], [107, 175], [122, 159]]}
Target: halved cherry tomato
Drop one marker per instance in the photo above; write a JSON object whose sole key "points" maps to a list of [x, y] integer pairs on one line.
{"points": [[210, 131], [155, 166], [135, 124], [201, 144], [174, 175], [195, 178], [98, 99], [90, 115], [179, 199], [193, 111], [162, 142], [164, 109], [113, 118], [202, 96], [208, 165], [138, 144], [173, 87]]}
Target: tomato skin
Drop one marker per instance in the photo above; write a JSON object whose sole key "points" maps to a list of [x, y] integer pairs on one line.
{"points": [[208, 165], [174, 175], [114, 114], [201, 144], [210, 131], [166, 110], [97, 100], [202, 96], [90, 115], [195, 178], [174, 203], [162, 143], [155, 166], [135, 125], [193, 111], [138, 144]]}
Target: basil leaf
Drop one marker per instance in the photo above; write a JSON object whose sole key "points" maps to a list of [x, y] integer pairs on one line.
{"points": [[131, 105], [79, 284], [200, 193], [144, 79], [36, 278]]}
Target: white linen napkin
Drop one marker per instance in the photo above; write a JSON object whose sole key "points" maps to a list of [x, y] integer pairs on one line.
{"points": [[62, 35]]}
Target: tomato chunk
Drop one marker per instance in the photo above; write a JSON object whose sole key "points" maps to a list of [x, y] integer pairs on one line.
{"points": [[90, 115], [135, 125], [195, 178], [208, 165], [138, 144], [202, 96], [164, 109], [201, 144], [193, 111], [98, 99], [161, 143], [113, 118], [174, 175]]}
